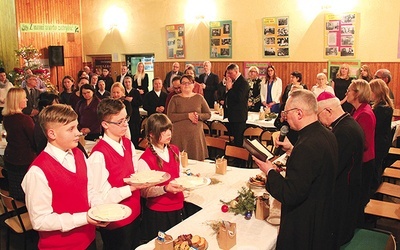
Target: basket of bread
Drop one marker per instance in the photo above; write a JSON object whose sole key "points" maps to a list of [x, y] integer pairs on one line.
{"points": [[186, 241], [258, 181]]}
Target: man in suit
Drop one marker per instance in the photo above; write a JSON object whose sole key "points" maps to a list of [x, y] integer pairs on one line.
{"points": [[168, 78], [235, 106], [350, 139], [124, 73], [209, 82], [32, 94], [386, 76], [307, 190]]}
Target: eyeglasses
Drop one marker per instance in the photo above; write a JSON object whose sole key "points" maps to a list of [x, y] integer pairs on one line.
{"points": [[286, 112], [186, 83], [377, 77], [327, 109], [120, 122]]}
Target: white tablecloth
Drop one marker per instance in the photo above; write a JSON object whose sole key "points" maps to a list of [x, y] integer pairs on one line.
{"points": [[251, 234], [252, 119]]}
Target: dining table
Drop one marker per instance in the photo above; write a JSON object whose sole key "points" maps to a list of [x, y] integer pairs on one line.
{"points": [[252, 234], [253, 119]]}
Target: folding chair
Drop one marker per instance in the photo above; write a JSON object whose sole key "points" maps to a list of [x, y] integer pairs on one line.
{"points": [[238, 153]]}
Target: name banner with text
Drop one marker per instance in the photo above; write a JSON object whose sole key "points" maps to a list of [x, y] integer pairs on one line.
{"points": [[54, 28]]}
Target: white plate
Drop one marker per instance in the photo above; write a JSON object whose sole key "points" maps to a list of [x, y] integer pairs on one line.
{"points": [[109, 212], [274, 220], [192, 182], [151, 177]]}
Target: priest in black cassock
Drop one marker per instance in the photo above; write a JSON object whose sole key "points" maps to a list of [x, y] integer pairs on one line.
{"points": [[350, 139], [307, 191]]}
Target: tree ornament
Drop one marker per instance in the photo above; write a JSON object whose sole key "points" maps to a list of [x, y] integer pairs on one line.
{"points": [[224, 208]]}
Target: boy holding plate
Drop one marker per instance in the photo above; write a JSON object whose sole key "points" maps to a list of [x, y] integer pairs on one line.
{"points": [[58, 185], [113, 158]]}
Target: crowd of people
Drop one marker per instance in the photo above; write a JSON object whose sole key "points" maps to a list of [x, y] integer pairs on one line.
{"points": [[337, 174]]}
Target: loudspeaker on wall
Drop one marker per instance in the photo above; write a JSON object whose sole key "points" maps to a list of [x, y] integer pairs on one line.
{"points": [[56, 56]]}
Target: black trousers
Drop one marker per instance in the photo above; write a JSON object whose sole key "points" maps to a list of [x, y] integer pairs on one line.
{"points": [[126, 237], [236, 129]]}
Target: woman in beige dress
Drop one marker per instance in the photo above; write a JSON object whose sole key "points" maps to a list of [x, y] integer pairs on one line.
{"points": [[187, 110]]}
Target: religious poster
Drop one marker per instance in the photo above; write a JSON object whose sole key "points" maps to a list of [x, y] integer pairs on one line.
{"points": [[221, 39], [175, 41], [340, 35], [276, 36]]}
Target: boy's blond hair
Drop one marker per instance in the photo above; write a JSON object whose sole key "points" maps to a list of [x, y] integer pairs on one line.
{"points": [[57, 113]]}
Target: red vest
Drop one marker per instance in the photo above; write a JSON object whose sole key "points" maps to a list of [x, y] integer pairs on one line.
{"points": [[168, 201], [69, 195], [120, 167]]}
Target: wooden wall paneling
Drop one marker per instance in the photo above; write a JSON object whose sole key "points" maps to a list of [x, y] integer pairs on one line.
{"points": [[52, 12], [8, 38]]}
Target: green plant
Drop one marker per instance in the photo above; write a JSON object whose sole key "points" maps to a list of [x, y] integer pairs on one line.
{"points": [[244, 202]]}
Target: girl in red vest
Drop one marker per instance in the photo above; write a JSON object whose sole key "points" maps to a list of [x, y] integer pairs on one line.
{"points": [[164, 206]]}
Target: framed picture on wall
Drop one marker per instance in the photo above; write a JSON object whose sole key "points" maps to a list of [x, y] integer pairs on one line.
{"points": [[340, 35], [276, 36], [175, 35], [221, 39]]}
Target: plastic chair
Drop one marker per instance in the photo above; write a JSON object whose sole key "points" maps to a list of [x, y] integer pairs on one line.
{"points": [[365, 239], [215, 146], [383, 209], [253, 132], [218, 129], [275, 136], [389, 189], [237, 153], [206, 128], [266, 139], [16, 220]]}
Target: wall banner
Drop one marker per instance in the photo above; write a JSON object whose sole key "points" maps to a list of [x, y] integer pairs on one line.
{"points": [[175, 41], [221, 39], [276, 36], [54, 28], [340, 35]]}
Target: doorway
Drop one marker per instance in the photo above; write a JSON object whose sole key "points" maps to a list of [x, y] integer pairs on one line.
{"points": [[148, 61]]}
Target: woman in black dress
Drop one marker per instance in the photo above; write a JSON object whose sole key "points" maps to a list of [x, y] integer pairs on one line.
{"points": [[383, 110], [340, 84]]}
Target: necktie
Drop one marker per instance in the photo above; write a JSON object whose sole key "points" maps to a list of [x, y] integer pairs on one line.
{"points": [[205, 78], [32, 97]]}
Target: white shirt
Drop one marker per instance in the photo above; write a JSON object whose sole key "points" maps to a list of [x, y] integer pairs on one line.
{"points": [[155, 190], [158, 93], [38, 196], [100, 173]]}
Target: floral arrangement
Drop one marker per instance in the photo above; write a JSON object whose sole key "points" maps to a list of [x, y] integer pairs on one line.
{"points": [[244, 203]]}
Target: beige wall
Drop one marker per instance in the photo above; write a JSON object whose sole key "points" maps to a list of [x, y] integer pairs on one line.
{"points": [[378, 30]]}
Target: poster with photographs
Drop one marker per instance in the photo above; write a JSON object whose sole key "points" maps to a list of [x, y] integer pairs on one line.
{"points": [[175, 41], [276, 36], [221, 39], [340, 35]]}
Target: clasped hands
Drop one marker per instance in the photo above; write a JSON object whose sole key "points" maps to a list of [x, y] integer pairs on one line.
{"points": [[194, 117]]}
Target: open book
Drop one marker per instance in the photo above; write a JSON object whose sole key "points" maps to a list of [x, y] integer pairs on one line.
{"points": [[257, 149]]}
